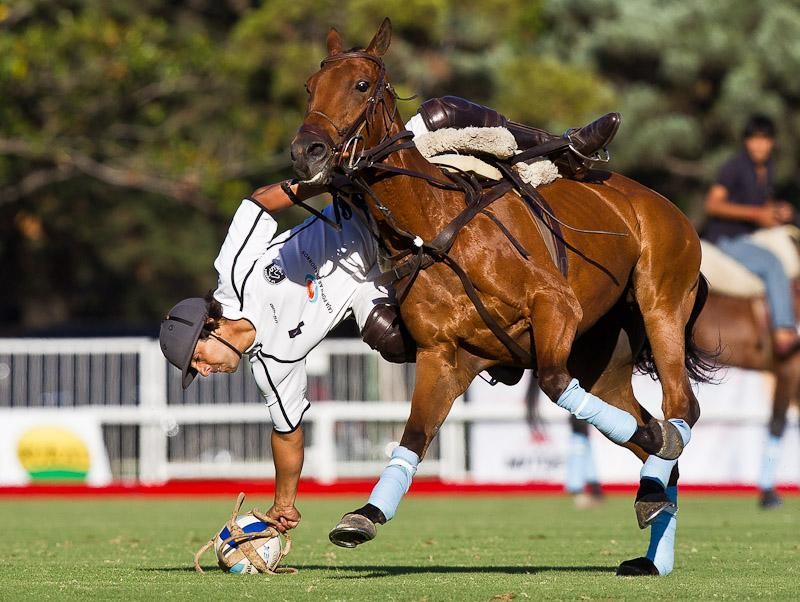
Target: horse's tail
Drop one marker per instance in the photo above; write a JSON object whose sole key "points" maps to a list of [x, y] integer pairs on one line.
{"points": [[700, 363]]}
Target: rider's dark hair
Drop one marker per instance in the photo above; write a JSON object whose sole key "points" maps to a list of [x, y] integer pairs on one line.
{"points": [[214, 311], [759, 125]]}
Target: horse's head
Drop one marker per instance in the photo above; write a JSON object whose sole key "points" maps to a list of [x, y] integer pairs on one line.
{"points": [[345, 96]]}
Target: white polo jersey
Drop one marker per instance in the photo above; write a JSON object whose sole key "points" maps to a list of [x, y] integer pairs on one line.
{"points": [[294, 290]]}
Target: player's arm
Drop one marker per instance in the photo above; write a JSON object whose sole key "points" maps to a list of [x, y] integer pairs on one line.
{"points": [[273, 199], [287, 454], [718, 204]]}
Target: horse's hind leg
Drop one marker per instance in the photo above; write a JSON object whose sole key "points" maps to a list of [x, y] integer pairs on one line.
{"points": [[442, 374], [657, 498], [666, 281], [555, 322]]}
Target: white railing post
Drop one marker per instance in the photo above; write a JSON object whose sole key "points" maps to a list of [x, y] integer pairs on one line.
{"points": [[152, 405], [324, 445], [452, 448]]}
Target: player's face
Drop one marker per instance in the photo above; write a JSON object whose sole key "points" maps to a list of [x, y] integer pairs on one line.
{"points": [[759, 147], [212, 356]]}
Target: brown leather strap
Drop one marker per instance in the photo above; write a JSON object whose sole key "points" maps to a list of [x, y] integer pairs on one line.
{"points": [[287, 190], [443, 241], [517, 352], [541, 150], [502, 227], [541, 211]]}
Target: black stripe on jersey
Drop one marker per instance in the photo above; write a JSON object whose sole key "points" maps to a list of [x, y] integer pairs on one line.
{"points": [[284, 361], [277, 395], [244, 283], [239, 295], [293, 234], [295, 427]]}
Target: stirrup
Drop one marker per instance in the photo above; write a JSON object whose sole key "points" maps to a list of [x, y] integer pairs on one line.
{"points": [[599, 156]]}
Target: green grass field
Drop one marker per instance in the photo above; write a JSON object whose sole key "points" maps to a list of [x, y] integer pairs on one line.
{"points": [[437, 548]]}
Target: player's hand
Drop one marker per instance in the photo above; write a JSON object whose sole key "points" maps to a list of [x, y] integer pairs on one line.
{"points": [[767, 216], [283, 518], [784, 212]]}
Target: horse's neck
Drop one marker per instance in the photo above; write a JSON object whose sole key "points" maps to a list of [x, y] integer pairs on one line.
{"points": [[416, 205]]}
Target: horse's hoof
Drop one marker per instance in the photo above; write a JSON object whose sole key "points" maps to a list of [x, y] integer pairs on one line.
{"points": [[650, 506], [638, 567], [672, 445], [770, 500], [585, 501], [352, 530]]}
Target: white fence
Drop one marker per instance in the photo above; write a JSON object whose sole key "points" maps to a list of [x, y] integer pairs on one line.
{"points": [[220, 428]]}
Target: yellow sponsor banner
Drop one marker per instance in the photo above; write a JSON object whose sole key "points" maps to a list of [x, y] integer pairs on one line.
{"points": [[46, 446]]}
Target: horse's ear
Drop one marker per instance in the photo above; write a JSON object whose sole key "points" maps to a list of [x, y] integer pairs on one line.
{"points": [[334, 42], [380, 43]]}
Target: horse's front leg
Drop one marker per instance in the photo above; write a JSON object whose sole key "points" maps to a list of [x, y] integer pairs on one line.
{"points": [[442, 375]]}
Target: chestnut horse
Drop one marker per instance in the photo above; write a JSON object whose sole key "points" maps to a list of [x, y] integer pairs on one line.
{"points": [[482, 289]]}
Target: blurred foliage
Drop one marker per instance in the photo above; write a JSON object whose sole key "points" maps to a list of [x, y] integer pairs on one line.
{"points": [[687, 75], [129, 131]]}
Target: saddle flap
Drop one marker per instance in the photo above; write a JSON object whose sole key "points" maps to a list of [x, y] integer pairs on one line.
{"points": [[726, 276]]}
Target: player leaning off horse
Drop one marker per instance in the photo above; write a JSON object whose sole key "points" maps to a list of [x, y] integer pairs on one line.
{"points": [[278, 297]]}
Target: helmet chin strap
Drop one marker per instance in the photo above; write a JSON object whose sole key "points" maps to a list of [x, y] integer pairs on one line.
{"points": [[227, 344]]}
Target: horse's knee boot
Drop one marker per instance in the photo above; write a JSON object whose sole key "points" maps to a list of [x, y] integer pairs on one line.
{"points": [[385, 332]]}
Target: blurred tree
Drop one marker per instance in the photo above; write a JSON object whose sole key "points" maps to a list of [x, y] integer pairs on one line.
{"points": [[130, 130], [687, 76]]}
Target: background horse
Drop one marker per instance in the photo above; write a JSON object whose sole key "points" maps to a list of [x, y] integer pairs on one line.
{"points": [[479, 288], [740, 328]]}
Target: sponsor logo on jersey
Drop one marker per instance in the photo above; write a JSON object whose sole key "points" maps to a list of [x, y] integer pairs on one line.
{"points": [[296, 331], [312, 288], [274, 273]]}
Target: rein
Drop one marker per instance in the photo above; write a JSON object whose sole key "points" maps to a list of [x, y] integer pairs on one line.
{"points": [[419, 255]]}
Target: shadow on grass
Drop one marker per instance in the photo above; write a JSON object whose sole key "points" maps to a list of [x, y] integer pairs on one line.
{"points": [[371, 571]]}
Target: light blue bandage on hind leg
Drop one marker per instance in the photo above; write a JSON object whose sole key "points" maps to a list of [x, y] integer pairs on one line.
{"points": [[769, 463], [395, 481], [618, 425], [662, 537], [660, 469], [576, 474]]}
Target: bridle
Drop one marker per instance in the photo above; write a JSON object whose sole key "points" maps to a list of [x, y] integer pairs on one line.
{"points": [[350, 136]]}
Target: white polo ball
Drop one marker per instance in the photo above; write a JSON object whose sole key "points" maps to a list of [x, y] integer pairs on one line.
{"points": [[269, 548]]}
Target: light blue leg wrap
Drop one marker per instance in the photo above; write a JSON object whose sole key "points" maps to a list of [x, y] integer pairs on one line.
{"points": [[576, 473], [662, 537], [395, 481], [660, 469], [589, 468], [618, 425], [683, 428], [769, 463]]}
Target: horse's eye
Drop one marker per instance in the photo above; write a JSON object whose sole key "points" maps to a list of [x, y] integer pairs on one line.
{"points": [[308, 90], [362, 85]]}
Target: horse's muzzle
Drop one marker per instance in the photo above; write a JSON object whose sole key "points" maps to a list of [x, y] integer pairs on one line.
{"points": [[312, 156]]}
